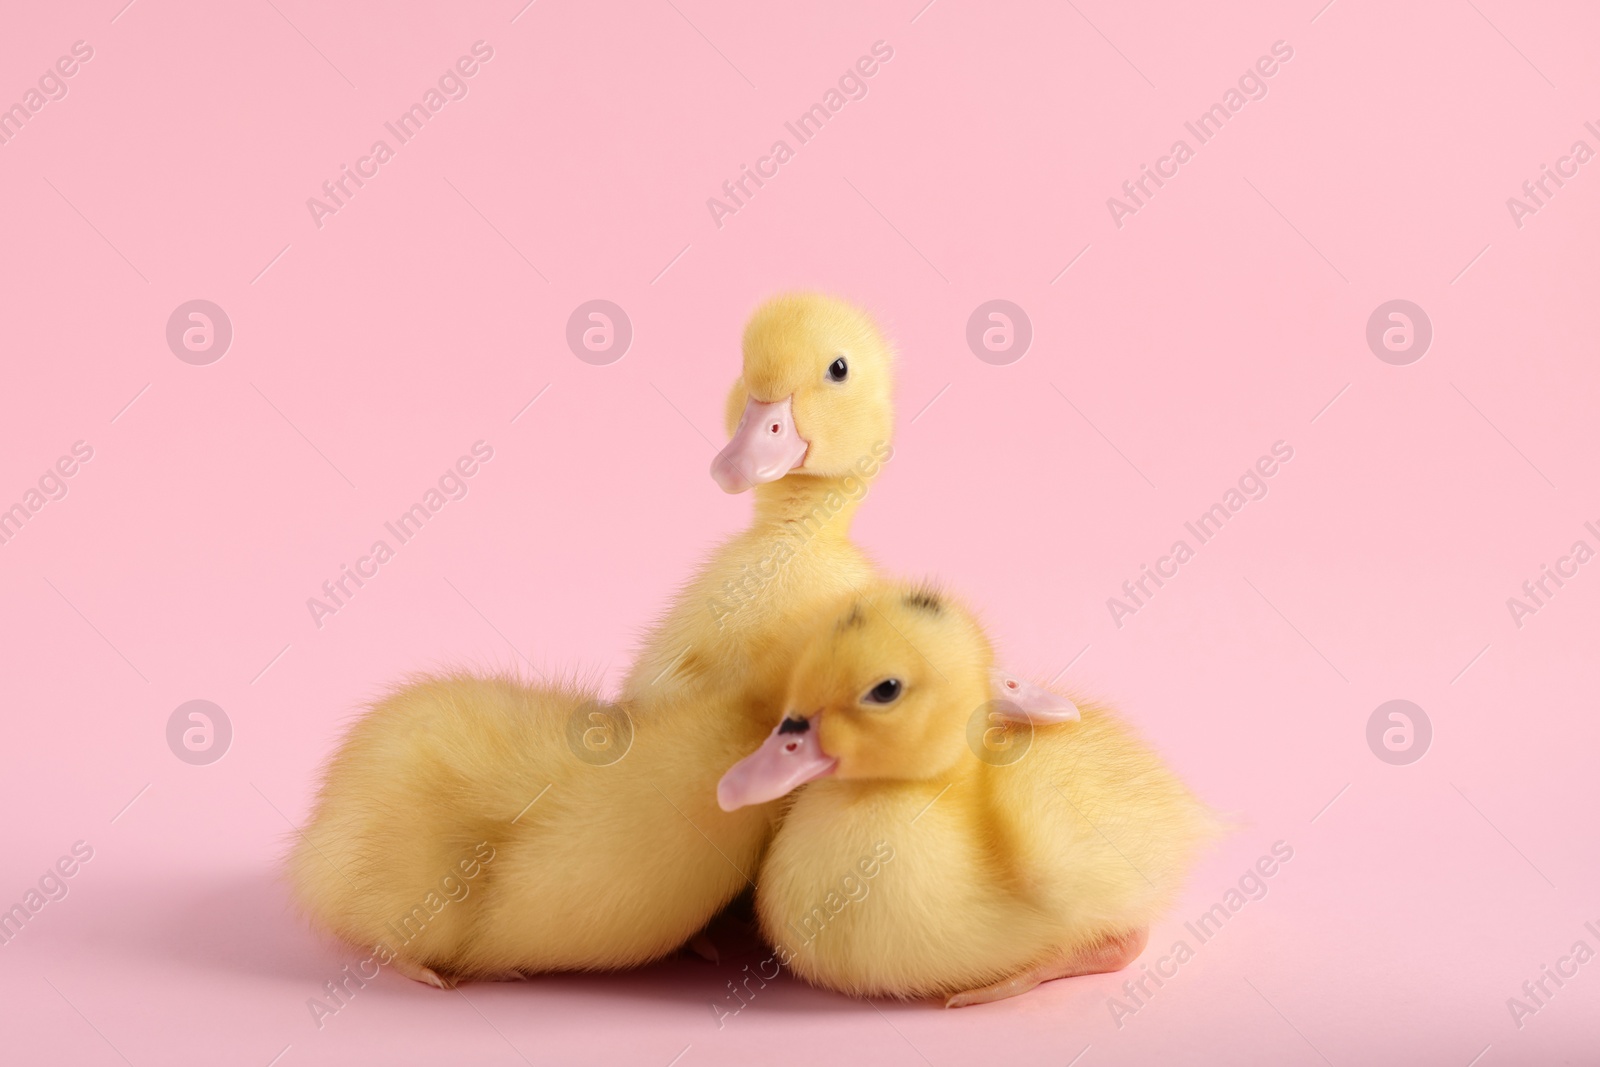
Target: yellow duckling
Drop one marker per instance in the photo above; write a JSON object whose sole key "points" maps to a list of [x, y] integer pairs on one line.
{"points": [[591, 831], [950, 844], [810, 421]]}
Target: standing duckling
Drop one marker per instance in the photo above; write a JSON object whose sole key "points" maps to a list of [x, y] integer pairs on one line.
{"points": [[810, 420], [1009, 841]]}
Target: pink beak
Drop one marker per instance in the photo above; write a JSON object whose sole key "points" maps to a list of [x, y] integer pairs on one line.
{"points": [[1024, 701], [786, 760], [765, 447]]}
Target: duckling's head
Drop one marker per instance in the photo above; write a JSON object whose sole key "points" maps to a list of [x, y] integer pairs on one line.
{"points": [[814, 397], [885, 689]]}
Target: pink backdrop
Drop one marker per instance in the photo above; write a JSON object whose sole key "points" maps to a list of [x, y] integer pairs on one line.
{"points": [[1174, 341]]}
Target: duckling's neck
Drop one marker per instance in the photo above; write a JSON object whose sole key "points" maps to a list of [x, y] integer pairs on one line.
{"points": [[816, 505], [963, 775]]}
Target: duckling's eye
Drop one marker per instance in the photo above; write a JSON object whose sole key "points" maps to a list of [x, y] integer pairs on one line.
{"points": [[885, 692], [839, 370]]}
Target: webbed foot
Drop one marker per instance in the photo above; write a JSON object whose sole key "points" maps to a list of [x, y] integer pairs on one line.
{"points": [[1110, 955]]}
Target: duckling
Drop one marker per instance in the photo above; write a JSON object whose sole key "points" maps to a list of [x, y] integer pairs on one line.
{"points": [[608, 847], [810, 420], [951, 844], [481, 827]]}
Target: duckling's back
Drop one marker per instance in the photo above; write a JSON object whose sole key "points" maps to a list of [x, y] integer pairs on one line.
{"points": [[420, 793], [1110, 825]]}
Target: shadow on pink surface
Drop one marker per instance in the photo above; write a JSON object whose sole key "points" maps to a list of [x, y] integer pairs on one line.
{"points": [[246, 926]]}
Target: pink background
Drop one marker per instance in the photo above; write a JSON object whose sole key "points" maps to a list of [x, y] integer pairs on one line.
{"points": [[1222, 317]]}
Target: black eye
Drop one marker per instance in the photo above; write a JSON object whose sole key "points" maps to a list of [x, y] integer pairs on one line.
{"points": [[885, 692], [839, 370]]}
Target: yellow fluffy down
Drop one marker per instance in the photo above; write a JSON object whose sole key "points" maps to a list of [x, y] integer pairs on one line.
{"points": [[578, 865], [934, 871]]}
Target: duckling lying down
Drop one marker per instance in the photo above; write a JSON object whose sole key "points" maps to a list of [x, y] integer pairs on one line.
{"points": [[1047, 857]]}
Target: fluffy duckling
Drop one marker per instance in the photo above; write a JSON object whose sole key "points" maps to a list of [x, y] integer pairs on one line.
{"points": [[605, 842], [810, 420], [950, 844], [480, 827]]}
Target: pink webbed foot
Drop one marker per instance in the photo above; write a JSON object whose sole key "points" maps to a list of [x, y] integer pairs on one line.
{"points": [[702, 945], [426, 975], [1110, 955]]}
